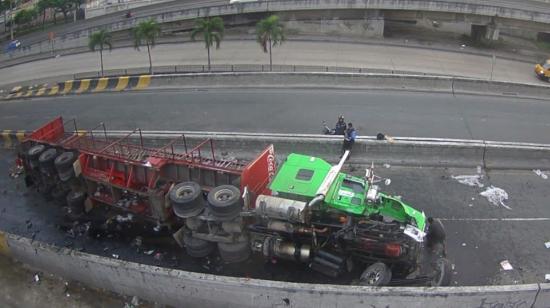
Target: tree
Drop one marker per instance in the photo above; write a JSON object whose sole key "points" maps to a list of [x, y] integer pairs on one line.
{"points": [[146, 31], [24, 16], [212, 31], [42, 6], [270, 33], [100, 40], [76, 6], [61, 6]]}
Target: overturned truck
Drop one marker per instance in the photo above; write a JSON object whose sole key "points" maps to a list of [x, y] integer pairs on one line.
{"points": [[304, 210]]}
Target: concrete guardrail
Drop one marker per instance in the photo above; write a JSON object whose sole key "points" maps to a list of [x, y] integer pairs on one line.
{"points": [[341, 80], [427, 152], [182, 288]]}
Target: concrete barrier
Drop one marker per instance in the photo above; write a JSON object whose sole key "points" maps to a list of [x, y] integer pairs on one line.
{"points": [[427, 152], [181, 288], [405, 82]]}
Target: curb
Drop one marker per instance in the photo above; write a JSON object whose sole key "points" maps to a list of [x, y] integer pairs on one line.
{"points": [[364, 81], [84, 86]]}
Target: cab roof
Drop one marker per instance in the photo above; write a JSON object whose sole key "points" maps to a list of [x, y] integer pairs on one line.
{"points": [[300, 175]]}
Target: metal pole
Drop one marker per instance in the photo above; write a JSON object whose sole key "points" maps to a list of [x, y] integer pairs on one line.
{"points": [[104, 130], [493, 60], [140, 137], [11, 19]]}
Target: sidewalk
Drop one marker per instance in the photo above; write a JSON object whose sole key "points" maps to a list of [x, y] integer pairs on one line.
{"points": [[344, 54]]}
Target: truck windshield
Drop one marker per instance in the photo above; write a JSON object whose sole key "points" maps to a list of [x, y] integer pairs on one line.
{"points": [[356, 187]]}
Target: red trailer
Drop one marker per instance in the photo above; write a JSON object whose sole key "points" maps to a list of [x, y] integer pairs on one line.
{"points": [[168, 184]]}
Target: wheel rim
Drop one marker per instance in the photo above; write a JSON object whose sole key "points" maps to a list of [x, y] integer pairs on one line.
{"points": [[373, 277], [223, 194], [183, 192]]}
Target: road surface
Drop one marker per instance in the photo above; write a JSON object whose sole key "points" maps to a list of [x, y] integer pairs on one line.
{"points": [[407, 114]]}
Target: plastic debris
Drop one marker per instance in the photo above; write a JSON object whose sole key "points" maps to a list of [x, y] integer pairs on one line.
{"points": [[470, 180], [157, 228], [386, 166], [470, 205], [387, 182], [115, 256], [496, 196], [463, 244], [149, 252], [506, 265], [547, 244], [36, 278], [126, 218], [540, 173]]}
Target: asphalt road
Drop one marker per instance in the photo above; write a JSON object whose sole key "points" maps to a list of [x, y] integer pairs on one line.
{"points": [[407, 114], [479, 235]]}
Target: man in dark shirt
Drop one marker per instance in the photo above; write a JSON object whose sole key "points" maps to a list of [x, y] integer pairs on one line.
{"points": [[340, 127], [349, 138]]}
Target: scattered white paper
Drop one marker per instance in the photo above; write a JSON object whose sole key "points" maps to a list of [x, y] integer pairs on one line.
{"points": [[540, 173], [547, 244], [506, 265], [496, 196], [470, 180]]}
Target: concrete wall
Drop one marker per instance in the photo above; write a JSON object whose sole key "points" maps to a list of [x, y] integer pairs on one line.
{"points": [[187, 289]]}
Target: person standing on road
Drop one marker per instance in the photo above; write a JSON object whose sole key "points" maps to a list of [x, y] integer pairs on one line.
{"points": [[349, 138]]}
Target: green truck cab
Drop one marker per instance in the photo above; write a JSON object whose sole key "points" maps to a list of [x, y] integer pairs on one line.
{"points": [[301, 176]]}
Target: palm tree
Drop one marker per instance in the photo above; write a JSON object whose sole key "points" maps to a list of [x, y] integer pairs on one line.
{"points": [[146, 31], [212, 31], [270, 33], [100, 39]]}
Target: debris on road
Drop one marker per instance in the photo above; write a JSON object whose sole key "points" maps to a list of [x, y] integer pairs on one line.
{"points": [[149, 252], [36, 278], [547, 278], [387, 166], [506, 265], [496, 196], [540, 173], [470, 180], [463, 244], [128, 217], [547, 244], [115, 256]]}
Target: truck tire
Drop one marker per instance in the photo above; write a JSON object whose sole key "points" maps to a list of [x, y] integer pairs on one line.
{"points": [[46, 160], [64, 165], [75, 202], [225, 202], [376, 275], [34, 153], [186, 199], [234, 252], [443, 273], [436, 232], [197, 248]]}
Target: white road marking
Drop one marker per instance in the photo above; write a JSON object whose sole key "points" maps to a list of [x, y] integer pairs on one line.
{"points": [[496, 219]]}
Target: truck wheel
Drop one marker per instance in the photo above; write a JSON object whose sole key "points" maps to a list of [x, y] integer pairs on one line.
{"points": [[197, 248], [186, 199], [34, 153], [443, 273], [64, 165], [225, 201], [376, 275], [46, 160], [75, 203], [234, 252], [436, 232]]}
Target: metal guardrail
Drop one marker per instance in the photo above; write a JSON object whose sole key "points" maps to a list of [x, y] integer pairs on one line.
{"points": [[237, 68]]}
